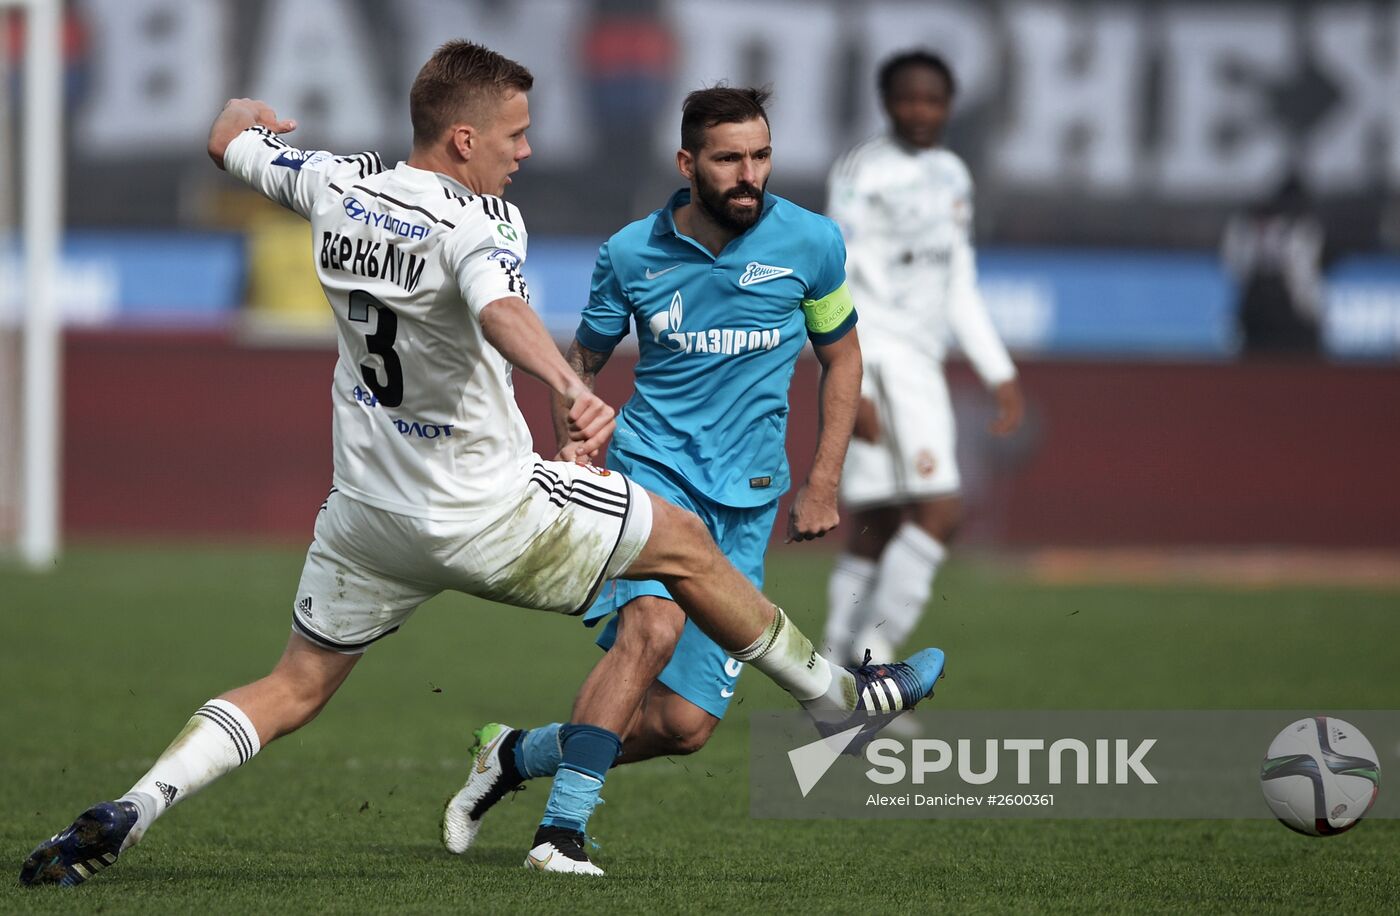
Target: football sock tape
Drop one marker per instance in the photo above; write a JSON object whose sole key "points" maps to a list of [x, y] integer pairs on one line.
{"points": [[539, 751], [787, 656], [588, 752]]}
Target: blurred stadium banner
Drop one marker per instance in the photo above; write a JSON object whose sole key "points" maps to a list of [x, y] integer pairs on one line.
{"points": [[1082, 302], [140, 277], [1127, 132], [1122, 124]]}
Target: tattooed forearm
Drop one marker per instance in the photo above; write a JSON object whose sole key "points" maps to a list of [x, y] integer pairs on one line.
{"points": [[586, 364]]}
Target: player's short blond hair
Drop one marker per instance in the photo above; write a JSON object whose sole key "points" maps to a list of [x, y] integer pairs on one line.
{"points": [[461, 82]]}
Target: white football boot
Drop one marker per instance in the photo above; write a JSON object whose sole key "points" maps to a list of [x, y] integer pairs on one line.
{"points": [[488, 781], [561, 852]]}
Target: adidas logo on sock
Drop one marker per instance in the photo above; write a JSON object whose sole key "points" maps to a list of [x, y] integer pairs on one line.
{"points": [[169, 792]]}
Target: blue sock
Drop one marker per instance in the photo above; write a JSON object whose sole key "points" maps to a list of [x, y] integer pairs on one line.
{"points": [[538, 751], [588, 753]]}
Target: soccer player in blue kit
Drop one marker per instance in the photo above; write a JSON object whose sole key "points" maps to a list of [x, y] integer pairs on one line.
{"points": [[724, 284]]}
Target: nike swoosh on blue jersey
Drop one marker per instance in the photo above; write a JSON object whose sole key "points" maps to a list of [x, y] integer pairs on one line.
{"points": [[653, 276]]}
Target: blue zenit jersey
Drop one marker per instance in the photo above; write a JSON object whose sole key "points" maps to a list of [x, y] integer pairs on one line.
{"points": [[718, 338]]}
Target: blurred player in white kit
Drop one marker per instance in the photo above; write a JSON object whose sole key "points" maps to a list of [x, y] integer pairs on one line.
{"points": [[904, 204]]}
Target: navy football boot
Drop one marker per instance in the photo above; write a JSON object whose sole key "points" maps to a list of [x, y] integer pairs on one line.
{"points": [[885, 692], [86, 847]]}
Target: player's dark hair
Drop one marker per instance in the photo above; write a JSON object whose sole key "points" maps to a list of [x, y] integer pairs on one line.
{"points": [[461, 82], [705, 108], [915, 58]]}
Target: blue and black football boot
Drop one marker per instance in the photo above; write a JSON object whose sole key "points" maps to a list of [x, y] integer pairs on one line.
{"points": [[87, 846], [885, 692]]}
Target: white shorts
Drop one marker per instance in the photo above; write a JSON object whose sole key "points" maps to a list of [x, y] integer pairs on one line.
{"points": [[570, 529], [915, 458]]}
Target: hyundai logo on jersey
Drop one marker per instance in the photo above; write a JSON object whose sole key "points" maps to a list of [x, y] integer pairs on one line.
{"points": [[362, 214]]}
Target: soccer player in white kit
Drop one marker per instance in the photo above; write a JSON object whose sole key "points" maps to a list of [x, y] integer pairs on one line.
{"points": [[436, 483], [904, 204]]}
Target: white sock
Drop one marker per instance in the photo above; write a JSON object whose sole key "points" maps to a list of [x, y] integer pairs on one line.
{"points": [[902, 587], [216, 739], [847, 598], [787, 656]]}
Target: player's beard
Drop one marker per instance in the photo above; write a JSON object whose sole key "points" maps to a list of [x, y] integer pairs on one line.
{"points": [[716, 204]]}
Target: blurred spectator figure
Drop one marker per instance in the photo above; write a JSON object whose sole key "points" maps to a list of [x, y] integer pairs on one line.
{"points": [[1275, 252]]}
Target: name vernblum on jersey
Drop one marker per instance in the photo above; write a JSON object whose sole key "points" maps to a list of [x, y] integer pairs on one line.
{"points": [[366, 259]]}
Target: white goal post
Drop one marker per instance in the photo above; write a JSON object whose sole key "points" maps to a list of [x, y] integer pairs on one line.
{"points": [[41, 206]]}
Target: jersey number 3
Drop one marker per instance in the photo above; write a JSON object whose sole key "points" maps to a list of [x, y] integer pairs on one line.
{"points": [[381, 344]]}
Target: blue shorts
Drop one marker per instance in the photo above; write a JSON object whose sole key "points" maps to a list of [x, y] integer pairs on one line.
{"points": [[699, 670]]}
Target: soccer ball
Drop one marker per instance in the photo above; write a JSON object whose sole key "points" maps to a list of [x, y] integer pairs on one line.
{"points": [[1321, 776]]}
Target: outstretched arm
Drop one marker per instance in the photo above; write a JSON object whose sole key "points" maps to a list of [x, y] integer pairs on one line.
{"points": [[586, 364], [245, 141], [814, 511], [513, 328], [239, 115]]}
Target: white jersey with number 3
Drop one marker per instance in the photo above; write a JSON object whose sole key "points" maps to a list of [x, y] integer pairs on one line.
{"points": [[425, 419]]}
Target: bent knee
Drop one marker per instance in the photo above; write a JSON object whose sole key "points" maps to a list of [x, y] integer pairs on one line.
{"points": [[686, 732], [649, 628]]}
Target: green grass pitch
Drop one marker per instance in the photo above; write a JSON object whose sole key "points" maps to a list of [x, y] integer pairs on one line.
{"points": [[102, 662]]}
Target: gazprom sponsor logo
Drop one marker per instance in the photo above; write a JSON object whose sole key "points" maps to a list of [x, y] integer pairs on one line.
{"points": [[356, 210], [666, 330]]}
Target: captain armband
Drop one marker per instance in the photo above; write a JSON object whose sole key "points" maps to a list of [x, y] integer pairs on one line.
{"points": [[831, 316]]}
